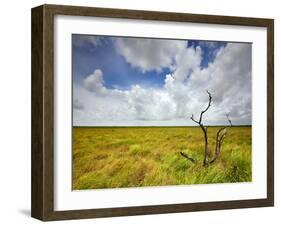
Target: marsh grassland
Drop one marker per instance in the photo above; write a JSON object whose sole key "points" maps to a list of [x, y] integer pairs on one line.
{"points": [[115, 157]]}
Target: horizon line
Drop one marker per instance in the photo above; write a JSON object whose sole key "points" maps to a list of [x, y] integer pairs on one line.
{"points": [[125, 126]]}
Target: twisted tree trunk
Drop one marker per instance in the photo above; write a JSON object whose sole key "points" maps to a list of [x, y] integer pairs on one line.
{"points": [[204, 129]]}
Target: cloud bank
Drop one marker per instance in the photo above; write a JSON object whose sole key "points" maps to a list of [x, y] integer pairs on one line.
{"points": [[227, 77]]}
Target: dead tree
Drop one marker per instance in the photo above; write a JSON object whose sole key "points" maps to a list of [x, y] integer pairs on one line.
{"points": [[219, 138], [204, 129]]}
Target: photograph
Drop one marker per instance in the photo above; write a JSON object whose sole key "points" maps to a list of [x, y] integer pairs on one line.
{"points": [[160, 112]]}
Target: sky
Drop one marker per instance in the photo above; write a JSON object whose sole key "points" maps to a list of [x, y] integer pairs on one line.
{"points": [[127, 81]]}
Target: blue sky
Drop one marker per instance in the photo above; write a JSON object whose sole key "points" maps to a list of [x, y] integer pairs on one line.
{"points": [[88, 57], [140, 81]]}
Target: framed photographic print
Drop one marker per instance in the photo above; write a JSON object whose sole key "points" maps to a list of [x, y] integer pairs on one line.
{"points": [[141, 112]]}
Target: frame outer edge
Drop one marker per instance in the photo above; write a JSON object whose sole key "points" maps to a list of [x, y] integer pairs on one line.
{"points": [[270, 112], [37, 187], [156, 15], [42, 205], [48, 121], [42, 48]]}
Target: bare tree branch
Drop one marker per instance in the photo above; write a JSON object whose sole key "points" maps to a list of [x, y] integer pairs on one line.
{"points": [[227, 116], [209, 104], [220, 137], [186, 156], [192, 118]]}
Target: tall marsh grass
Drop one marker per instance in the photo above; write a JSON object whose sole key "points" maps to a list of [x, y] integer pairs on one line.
{"points": [[149, 156]]}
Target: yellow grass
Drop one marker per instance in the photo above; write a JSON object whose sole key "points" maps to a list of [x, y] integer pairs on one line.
{"points": [[113, 157]]}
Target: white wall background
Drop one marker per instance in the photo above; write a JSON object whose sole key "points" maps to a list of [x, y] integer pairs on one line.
{"points": [[15, 112]]}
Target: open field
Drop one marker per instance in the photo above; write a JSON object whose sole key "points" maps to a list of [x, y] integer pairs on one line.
{"points": [[114, 157]]}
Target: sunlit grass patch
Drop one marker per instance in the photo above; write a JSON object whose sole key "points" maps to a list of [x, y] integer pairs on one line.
{"points": [[150, 156]]}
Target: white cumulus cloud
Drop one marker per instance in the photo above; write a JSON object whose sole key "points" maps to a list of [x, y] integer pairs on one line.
{"points": [[95, 83], [149, 54], [228, 78]]}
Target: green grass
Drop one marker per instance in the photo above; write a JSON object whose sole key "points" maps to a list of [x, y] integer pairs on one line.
{"points": [[115, 157]]}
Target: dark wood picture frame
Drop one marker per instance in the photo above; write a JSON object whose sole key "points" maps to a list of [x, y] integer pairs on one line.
{"points": [[42, 203]]}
